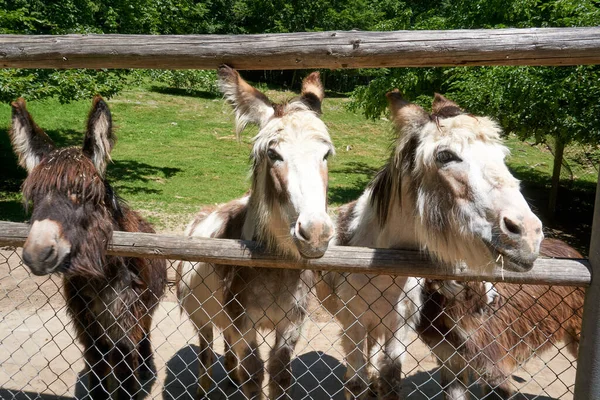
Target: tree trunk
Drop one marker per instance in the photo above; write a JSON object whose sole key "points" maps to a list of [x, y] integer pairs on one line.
{"points": [[559, 148]]}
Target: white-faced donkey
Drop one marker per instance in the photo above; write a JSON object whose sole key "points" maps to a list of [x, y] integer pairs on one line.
{"points": [[286, 212], [445, 190]]}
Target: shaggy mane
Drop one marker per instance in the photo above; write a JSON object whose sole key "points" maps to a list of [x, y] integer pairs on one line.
{"points": [[411, 144], [66, 171], [69, 172]]}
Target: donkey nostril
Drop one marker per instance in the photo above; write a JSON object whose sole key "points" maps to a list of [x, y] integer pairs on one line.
{"points": [[511, 226], [302, 233], [46, 253]]}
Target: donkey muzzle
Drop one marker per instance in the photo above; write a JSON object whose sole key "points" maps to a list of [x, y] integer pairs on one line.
{"points": [[312, 234], [517, 243], [45, 249]]}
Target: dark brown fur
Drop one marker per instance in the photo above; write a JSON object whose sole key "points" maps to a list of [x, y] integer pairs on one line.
{"points": [[110, 299], [526, 320]]}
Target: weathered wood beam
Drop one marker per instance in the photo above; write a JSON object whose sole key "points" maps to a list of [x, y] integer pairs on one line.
{"points": [[337, 258], [333, 50]]}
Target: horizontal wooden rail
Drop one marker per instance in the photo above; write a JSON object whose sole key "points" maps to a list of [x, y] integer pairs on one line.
{"points": [[338, 258], [339, 49]]}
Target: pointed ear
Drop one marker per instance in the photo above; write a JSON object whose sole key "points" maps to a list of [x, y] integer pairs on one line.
{"points": [[30, 143], [444, 107], [405, 114], [99, 139], [250, 105], [312, 91]]}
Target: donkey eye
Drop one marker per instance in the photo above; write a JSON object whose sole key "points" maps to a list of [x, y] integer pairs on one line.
{"points": [[273, 155], [326, 156], [446, 156]]}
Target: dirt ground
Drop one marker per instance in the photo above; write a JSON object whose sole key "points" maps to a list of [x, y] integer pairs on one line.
{"points": [[39, 357]]}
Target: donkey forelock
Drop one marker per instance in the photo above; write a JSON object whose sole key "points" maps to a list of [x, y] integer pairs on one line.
{"points": [[65, 171]]}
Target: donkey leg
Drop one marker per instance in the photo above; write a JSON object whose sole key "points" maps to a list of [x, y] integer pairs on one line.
{"points": [[373, 351], [98, 369], [356, 378], [389, 381], [279, 366], [125, 358], [231, 362], [207, 359], [454, 384], [147, 370], [498, 388], [251, 372]]}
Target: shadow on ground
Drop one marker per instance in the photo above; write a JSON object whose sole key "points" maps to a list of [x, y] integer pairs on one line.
{"points": [[184, 92], [82, 390], [572, 221], [132, 177], [316, 374], [362, 174]]}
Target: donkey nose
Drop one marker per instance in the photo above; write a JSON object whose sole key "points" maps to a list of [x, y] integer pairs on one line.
{"points": [[45, 248], [520, 237], [312, 234], [301, 232], [522, 228], [511, 226]]}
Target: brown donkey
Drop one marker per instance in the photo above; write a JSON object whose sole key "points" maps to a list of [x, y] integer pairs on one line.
{"points": [[75, 211], [468, 334]]}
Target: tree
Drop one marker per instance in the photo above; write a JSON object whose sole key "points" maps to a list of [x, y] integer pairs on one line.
{"points": [[559, 102]]}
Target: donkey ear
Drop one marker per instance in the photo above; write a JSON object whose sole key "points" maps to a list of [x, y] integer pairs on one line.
{"points": [[312, 91], [405, 114], [444, 107], [250, 105], [99, 139], [29, 141]]}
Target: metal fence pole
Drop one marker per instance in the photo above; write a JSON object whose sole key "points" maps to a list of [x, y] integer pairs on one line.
{"points": [[587, 382]]}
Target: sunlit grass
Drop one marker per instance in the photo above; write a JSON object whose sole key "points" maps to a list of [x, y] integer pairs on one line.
{"points": [[177, 152]]}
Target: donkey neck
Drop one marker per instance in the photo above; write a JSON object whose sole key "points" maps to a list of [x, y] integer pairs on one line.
{"points": [[266, 224], [397, 226]]}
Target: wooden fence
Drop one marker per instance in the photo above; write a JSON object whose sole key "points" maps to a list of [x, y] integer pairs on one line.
{"points": [[353, 49]]}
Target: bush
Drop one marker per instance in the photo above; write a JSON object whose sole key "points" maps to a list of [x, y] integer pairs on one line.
{"points": [[66, 86], [189, 80]]}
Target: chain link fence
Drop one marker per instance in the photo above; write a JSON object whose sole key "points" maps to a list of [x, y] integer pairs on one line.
{"points": [[514, 338]]}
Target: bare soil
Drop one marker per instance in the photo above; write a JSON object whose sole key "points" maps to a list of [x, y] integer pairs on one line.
{"points": [[39, 357]]}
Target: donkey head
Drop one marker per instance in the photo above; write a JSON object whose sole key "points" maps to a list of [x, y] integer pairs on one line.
{"points": [[468, 203], [73, 207], [289, 175]]}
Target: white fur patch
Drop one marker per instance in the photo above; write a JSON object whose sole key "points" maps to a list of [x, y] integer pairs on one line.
{"points": [[102, 144]]}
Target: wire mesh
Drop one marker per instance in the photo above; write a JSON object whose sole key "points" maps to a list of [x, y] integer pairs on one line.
{"points": [[512, 338]]}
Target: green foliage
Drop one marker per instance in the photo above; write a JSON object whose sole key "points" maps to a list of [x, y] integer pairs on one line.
{"points": [[534, 101], [530, 101], [66, 85], [188, 80]]}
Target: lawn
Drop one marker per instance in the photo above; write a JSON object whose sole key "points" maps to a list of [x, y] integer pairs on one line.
{"points": [[177, 151]]}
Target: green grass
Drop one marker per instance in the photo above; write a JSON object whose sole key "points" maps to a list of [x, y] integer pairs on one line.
{"points": [[177, 152]]}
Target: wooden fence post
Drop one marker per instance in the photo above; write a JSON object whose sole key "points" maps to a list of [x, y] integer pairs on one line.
{"points": [[587, 382]]}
